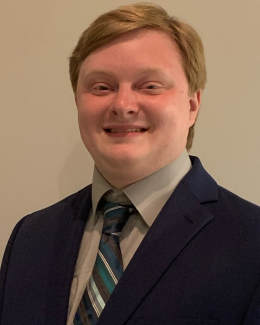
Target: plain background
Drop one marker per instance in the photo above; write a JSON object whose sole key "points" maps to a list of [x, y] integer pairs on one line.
{"points": [[42, 157]]}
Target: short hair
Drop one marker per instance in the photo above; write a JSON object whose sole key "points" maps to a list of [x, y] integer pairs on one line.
{"points": [[114, 23]]}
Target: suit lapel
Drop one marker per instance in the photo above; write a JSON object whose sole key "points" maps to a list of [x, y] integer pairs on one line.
{"points": [[180, 220], [172, 231], [63, 259]]}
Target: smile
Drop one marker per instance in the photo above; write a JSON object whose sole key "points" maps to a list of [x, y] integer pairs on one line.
{"points": [[125, 130]]}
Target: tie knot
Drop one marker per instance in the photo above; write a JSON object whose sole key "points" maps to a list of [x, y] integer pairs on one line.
{"points": [[116, 215]]}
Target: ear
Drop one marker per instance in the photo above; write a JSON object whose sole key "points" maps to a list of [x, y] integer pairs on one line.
{"points": [[195, 101]]}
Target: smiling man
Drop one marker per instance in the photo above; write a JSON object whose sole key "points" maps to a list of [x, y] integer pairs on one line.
{"points": [[135, 107], [153, 239]]}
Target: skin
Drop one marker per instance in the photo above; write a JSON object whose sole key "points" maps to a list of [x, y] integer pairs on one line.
{"points": [[134, 106]]}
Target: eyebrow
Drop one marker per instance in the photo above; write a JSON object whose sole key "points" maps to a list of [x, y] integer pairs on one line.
{"points": [[109, 73], [151, 70], [89, 74], [154, 72]]}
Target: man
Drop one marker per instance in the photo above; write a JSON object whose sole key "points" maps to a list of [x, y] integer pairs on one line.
{"points": [[189, 252]]}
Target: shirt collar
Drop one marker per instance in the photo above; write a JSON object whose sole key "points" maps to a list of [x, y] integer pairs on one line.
{"points": [[150, 193]]}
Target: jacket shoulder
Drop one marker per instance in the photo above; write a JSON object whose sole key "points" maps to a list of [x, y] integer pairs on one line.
{"points": [[69, 205], [236, 204], [43, 240]]}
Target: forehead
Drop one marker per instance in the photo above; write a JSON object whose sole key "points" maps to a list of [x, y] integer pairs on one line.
{"points": [[136, 47]]}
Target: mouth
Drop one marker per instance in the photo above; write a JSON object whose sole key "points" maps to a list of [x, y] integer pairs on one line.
{"points": [[130, 130]]}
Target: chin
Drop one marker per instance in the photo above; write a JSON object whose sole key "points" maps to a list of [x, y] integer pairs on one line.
{"points": [[124, 160]]}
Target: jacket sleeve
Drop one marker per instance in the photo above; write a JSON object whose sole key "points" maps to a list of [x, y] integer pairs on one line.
{"points": [[5, 264], [253, 313]]}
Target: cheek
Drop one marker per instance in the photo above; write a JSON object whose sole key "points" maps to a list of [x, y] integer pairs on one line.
{"points": [[173, 118], [86, 125], [88, 115], [164, 114]]}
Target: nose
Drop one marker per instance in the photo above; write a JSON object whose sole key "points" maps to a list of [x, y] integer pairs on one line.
{"points": [[125, 102]]}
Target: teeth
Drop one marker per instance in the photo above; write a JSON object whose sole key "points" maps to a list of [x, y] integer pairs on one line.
{"points": [[125, 130]]}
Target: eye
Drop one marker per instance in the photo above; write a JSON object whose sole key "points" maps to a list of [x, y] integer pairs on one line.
{"points": [[152, 87], [100, 89]]}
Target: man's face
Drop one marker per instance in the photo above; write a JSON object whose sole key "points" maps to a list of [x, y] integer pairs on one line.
{"points": [[134, 105]]}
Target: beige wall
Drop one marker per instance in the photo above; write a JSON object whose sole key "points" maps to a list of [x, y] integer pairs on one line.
{"points": [[42, 158]]}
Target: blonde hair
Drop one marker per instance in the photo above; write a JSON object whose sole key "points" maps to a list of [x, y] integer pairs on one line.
{"points": [[114, 23]]}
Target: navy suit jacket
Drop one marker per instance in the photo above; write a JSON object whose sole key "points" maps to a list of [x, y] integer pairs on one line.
{"points": [[198, 264]]}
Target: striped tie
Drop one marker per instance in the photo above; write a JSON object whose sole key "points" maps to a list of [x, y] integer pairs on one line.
{"points": [[108, 267]]}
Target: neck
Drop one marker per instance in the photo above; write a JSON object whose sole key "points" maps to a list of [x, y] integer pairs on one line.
{"points": [[122, 174], [120, 180]]}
